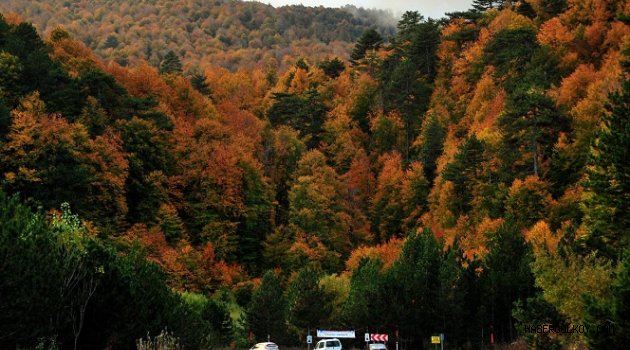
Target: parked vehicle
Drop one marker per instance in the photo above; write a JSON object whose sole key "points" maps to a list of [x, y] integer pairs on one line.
{"points": [[265, 346], [377, 346], [328, 344]]}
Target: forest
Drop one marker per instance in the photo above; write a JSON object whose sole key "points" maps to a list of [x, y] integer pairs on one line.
{"points": [[231, 34], [465, 175]]}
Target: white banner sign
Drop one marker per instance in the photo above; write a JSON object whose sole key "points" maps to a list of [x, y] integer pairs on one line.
{"points": [[334, 334]]}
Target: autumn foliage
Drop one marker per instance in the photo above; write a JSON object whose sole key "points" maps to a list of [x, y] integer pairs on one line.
{"points": [[442, 177]]}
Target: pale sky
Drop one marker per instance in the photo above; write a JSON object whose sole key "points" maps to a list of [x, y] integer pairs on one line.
{"points": [[427, 8]]}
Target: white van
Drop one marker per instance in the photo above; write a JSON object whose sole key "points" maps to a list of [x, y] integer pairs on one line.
{"points": [[328, 344]]}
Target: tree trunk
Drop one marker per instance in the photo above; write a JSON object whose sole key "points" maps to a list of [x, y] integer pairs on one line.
{"points": [[535, 158]]}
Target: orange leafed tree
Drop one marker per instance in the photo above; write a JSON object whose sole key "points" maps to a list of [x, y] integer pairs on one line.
{"points": [[88, 173]]}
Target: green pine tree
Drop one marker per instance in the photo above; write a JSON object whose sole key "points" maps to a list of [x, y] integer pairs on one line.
{"points": [[464, 171], [308, 303], [432, 146], [369, 40], [366, 304], [266, 314], [524, 8], [551, 8], [111, 42], [510, 50], [305, 113], [31, 275], [611, 317], [506, 278], [333, 67], [198, 81], [412, 287], [256, 224], [607, 201], [531, 123], [5, 119], [171, 64], [170, 223]]}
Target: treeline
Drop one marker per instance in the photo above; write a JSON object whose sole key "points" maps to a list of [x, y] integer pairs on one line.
{"points": [[467, 176], [231, 34], [423, 290], [62, 287]]}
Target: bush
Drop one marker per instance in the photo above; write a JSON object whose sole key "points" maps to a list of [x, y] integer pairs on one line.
{"points": [[164, 341]]}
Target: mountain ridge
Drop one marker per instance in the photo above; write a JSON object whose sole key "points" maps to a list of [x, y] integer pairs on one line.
{"points": [[468, 174], [227, 33]]}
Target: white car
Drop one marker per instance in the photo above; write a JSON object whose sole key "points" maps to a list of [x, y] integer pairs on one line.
{"points": [[328, 344], [377, 346], [265, 346]]}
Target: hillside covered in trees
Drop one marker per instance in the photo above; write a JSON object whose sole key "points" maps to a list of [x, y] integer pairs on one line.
{"points": [[228, 33], [467, 176]]}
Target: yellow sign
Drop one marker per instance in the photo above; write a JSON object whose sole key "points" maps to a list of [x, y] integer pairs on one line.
{"points": [[435, 339]]}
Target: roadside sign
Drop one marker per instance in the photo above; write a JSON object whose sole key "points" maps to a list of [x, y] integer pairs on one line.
{"points": [[435, 339], [367, 337], [378, 337], [321, 333], [309, 339]]}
